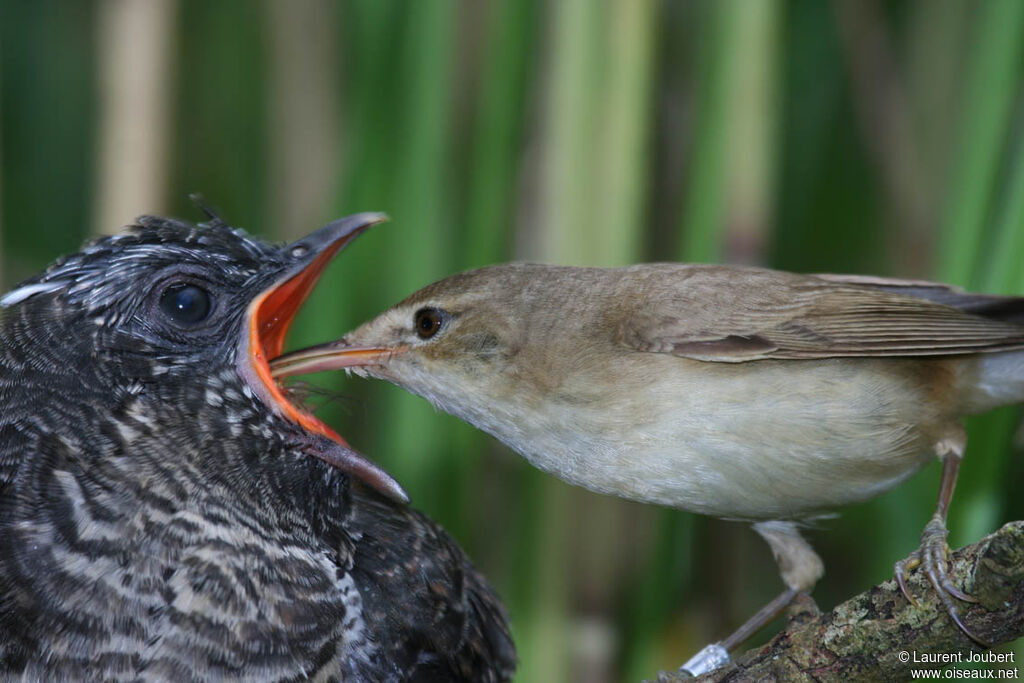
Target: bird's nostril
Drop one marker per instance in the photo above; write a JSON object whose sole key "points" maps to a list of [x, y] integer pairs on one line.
{"points": [[299, 251]]}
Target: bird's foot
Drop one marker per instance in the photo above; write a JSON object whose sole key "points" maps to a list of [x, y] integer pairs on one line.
{"points": [[933, 555], [708, 659]]}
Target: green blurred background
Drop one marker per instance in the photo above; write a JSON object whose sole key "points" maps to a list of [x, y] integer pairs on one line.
{"points": [[870, 137]]}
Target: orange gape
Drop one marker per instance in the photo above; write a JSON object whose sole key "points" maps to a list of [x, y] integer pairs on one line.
{"points": [[268, 325]]}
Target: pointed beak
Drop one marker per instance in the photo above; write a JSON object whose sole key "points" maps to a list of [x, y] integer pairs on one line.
{"points": [[269, 317], [347, 460], [335, 355], [276, 308]]}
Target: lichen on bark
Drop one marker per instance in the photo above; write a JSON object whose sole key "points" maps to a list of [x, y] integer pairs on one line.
{"points": [[862, 639]]}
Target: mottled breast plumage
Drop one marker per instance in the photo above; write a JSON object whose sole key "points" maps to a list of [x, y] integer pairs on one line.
{"points": [[159, 521]]}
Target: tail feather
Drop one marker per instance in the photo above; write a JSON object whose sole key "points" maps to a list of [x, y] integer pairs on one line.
{"points": [[999, 381]]}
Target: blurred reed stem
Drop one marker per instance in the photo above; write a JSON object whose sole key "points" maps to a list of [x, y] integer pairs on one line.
{"points": [[135, 43], [1006, 274], [498, 129], [47, 130], [989, 95], [992, 82], [568, 127], [411, 432], [705, 192], [220, 129], [623, 108], [303, 111]]}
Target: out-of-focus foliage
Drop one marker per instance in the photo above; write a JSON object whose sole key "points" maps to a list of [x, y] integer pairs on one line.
{"points": [[853, 136]]}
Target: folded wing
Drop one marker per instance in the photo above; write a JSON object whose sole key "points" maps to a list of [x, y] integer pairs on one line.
{"points": [[732, 315]]}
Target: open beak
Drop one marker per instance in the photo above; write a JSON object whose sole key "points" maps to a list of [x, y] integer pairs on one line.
{"points": [[335, 355], [268, 318]]}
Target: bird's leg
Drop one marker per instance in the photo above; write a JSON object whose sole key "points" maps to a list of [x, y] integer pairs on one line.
{"points": [[800, 568], [933, 554], [761, 617]]}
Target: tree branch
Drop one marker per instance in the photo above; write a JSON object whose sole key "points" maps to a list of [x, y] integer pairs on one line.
{"points": [[863, 638]]}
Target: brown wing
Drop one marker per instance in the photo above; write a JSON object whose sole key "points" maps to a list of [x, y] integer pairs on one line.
{"points": [[726, 314]]}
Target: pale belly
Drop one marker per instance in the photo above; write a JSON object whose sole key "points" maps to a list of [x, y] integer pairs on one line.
{"points": [[780, 440]]}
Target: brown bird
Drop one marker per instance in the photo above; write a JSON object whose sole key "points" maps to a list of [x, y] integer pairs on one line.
{"points": [[736, 392]]}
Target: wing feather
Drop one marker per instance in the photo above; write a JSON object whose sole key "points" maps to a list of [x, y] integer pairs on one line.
{"points": [[728, 314]]}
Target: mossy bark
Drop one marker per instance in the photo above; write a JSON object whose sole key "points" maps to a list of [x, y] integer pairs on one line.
{"points": [[867, 637]]}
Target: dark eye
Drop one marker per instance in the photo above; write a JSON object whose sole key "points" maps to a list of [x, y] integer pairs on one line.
{"points": [[428, 321], [186, 304]]}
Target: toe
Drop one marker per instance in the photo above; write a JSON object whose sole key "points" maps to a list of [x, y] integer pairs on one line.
{"points": [[935, 552], [900, 570]]}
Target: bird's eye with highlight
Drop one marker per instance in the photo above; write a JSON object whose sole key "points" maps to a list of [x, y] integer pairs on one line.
{"points": [[427, 322], [186, 304]]}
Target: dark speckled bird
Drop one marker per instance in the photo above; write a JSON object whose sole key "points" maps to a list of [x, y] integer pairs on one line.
{"points": [[166, 511]]}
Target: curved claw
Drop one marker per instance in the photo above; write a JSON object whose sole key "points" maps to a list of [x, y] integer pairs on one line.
{"points": [[900, 570], [933, 555], [954, 614], [947, 587]]}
